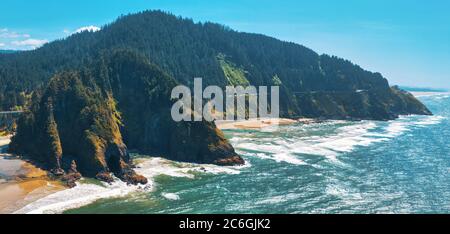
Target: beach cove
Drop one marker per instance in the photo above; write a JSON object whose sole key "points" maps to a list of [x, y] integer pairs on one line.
{"points": [[20, 182]]}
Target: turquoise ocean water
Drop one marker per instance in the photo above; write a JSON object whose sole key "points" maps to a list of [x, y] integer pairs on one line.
{"points": [[400, 166]]}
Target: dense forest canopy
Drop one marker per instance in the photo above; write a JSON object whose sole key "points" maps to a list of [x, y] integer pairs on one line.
{"points": [[185, 49], [91, 97]]}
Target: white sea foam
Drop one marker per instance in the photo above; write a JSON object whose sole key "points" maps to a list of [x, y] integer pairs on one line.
{"points": [[78, 196], [395, 129], [442, 97], [277, 152], [436, 95], [430, 120], [171, 196], [278, 199], [151, 167], [86, 193], [326, 142], [408, 123], [287, 149], [344, 139], [348, 137], [343, 191]]}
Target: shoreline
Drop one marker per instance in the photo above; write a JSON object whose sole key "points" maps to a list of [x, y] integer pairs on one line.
{"points": [[425, 94], [28, 184], [260, 123], [4, 141], [21, 183]]}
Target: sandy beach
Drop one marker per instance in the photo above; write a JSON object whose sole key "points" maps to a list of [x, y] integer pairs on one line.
{"points": [[21, 183], [259, 123], [4, 141]]}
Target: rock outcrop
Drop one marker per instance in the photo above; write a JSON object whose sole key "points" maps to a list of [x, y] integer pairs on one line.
{"points": [[311, 85], [85, 122], [96, 112]]}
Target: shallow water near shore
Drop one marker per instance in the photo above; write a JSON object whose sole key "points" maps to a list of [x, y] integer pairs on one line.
{"points": [[399, 166]]}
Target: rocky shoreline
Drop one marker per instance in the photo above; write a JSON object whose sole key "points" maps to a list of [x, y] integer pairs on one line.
{"points": [[85, 123]]}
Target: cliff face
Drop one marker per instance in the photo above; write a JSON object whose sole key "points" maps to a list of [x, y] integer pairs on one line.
{"points": [[311, 85], [143, 93], [376, 104], [74, 128], [84, 121]]}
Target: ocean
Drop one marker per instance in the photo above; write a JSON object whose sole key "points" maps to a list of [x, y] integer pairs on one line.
{"points": [[399, 166]]}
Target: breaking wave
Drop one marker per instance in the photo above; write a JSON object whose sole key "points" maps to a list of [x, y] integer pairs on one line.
{"points": [[87, 193], [329, 139]]}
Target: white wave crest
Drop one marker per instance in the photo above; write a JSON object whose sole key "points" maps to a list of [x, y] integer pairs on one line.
{"points": [[86, 193], [322, 140], [344, 139], [171, 196], [151, 167], [430, 120], [82, 194]]}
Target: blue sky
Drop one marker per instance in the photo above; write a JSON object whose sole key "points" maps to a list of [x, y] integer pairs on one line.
{"points": [[408, 41]]}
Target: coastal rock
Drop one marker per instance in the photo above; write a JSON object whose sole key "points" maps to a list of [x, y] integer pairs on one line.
{"points": [[132, 177], [70, 179], [311, 85], [71, 118], [230, 161], [105, 177], [72, 175], [90, 117], [143, 98], [109, 101]]}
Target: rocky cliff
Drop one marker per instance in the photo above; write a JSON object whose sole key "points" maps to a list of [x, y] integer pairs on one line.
{"points": [[311, 85], [107, 103], [85, 122]]}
